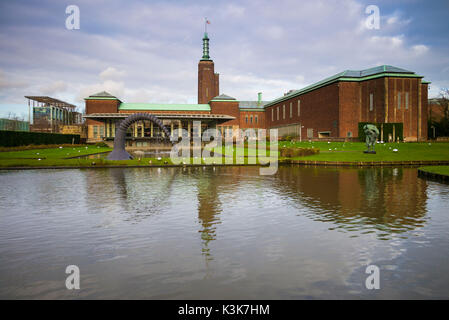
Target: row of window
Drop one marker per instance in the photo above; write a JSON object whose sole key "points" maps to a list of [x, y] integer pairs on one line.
{"points": [[371, 100], [98, 131], [283, 111], [256, 119]]}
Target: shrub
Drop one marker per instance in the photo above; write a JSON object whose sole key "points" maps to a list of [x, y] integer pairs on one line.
{"points": [[289, 137], [102, 145], [41, 146], [298, 152]]}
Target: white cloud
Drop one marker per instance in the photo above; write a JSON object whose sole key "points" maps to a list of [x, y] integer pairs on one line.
{"points": [[233, 11], [111, 73], [152, 55], [115, 88], [54, 87], [420, 49], [274, 32], [7, 82]]}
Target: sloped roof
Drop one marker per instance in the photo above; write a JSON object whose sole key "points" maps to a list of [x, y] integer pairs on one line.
{"points": [[351, 75], [103, 95], [222, 97], [252, 105], [51, 101]]}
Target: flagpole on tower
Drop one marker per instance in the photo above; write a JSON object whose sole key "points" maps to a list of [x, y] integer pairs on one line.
{"points": [[205, 25]]}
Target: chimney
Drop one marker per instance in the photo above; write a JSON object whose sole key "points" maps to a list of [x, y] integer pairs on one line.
{"points": [[259, 98]]}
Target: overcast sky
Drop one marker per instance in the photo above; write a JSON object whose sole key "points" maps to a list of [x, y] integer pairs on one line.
{"points": [[148, 51]]}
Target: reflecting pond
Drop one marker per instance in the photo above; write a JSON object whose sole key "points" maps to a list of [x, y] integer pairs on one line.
{"points": [[223, 233]]}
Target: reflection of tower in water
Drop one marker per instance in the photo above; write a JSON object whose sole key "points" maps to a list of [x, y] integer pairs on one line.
{"points": [[209, 207]]}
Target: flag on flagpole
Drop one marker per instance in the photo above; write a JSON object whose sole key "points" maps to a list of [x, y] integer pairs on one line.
{"points": [[205, 24]]}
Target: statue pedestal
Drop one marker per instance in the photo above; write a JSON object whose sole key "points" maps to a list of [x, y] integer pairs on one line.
{"points": [[371, 152]]}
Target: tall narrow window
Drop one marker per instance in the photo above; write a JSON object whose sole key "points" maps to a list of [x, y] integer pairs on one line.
{"points": [[299, 107], [251, 119], [272, 114], [291, 110], [277, 113], [399, 100], [246, 119], [406, 100], [371, 102], [283, 111], [309, 133], [256, 119]]}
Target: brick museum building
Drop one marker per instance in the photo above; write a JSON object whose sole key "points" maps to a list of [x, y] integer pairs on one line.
{"points": [[330, 109]]}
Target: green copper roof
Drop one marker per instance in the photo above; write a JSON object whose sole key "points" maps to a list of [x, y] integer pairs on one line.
{"points": [[252, 104], [252, 109], [164, 107], [351, 75]]}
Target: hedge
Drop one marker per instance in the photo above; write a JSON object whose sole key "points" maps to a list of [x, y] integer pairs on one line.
{"points": [[298, 152], [20, 138], [387, 129]]}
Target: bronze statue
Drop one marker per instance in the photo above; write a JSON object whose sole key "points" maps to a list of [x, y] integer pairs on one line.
{"points": [[371, 133]]}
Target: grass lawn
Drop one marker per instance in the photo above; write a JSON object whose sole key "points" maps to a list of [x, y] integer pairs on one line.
{"points": [[353, 151], [443, 170], [52, 153], [60, 157], [334, 151]]}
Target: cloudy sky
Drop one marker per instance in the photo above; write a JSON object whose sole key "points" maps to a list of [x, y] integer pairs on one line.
{"points": [[148, 51]]}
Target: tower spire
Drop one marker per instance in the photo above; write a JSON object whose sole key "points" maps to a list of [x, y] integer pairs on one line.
{"points": [[206, 42]]}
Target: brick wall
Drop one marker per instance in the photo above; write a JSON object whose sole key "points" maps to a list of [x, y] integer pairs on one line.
{"points": [[350, 109], [424, 111], [230, 108], [102, 106], [247, 115], [208, 81], [318, 111]]}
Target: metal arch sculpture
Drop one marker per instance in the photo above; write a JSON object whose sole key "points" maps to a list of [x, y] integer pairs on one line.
{"points": [[119, 152]]}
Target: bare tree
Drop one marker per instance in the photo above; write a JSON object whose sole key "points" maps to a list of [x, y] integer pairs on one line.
{"points": [[440, 128], [14, 121], [444, 103]]}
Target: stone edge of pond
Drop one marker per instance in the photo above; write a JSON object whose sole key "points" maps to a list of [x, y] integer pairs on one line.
{"points": [[370, 163], [415, 163], [132, 166], [433, 176]]}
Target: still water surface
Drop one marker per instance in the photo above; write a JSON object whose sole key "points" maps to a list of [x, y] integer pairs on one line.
{"points": [[223, 233]]}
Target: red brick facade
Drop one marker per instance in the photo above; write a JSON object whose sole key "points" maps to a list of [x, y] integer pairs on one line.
{"points": [[102, 106], [252, 119], [208, 81], [230, 108], [337, 108]]}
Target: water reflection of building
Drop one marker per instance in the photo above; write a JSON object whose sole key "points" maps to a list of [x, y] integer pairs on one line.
{"points": [[209, 208], [391, 199]]}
